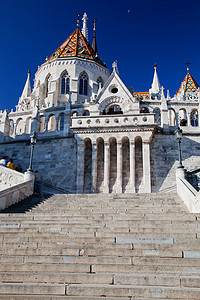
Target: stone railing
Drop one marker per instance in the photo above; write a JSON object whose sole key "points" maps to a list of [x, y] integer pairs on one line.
{"points": [[113, 121], [187, 193], [14, 186]]}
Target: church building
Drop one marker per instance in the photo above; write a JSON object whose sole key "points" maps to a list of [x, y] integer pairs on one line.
{"points": [[94, 135]]}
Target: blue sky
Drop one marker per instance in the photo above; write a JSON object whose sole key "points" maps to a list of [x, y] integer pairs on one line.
{"points": [[135, 33]]}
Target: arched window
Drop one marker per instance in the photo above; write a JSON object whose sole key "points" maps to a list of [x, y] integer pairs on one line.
{"points": [[61, 122], [182, 117], [156, 111], [65, 83], [48, 80], [194, 118], [83, 84], [172, 117], [100, 83], [85, 113]]}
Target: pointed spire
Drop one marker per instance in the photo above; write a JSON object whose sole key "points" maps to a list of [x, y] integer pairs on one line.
{"points": [[85, 29], [188, 68], [94, 42], [155, 87], [27, 88]]}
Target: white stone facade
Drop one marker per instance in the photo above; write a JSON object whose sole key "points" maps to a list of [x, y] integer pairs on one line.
{"points": [[111, 132]]}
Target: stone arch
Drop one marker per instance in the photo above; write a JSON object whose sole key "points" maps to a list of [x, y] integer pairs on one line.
{"points": [[172, 117], [124, 104], [100, 164], [28, 125], [19, 126], [42, 123], [87, 165], [182, 117], [10, 127], [194, 118], [138, 163], [51, 125], [74, 114], [85, 112], [113, 164], [125, 163], [61, 119], [144, 110]]}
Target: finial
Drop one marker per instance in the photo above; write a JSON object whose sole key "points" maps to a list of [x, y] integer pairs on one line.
{"points": [[187, 64], [85, 29], [29, 72], [155, 66], [95, 21], [115, 68], [78, 16]]}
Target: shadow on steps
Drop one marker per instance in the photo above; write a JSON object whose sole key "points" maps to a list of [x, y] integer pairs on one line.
{"points": [[26, 204]]}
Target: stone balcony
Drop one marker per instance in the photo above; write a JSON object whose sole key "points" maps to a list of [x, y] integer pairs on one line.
{"points": [[109, 121]]}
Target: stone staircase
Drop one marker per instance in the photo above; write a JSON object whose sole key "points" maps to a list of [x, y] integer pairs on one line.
{"points": [[143, 246]]}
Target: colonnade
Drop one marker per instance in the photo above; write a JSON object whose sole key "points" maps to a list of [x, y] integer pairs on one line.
{"points": [[113, 165]]}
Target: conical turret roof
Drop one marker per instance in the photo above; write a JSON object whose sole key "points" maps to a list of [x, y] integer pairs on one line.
{"points": [[76, 46], [188, 85]]}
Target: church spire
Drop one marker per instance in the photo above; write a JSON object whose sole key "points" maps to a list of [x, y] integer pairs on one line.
{"points": [[27, 88], [94, 42], [155, 87], [85, 29]]}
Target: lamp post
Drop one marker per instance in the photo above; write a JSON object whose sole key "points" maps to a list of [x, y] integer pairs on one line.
{"points": [[33, 142], [178, 133]]}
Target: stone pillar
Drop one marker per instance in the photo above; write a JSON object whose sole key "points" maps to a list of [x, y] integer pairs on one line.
{"points": [[119, 167], [146, 166], [132, 166], [94, 167], [106, 167], [80, 168]]}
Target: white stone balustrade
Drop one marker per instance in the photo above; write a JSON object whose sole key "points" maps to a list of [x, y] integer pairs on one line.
{"points": [[113, 121], [14, 186]]}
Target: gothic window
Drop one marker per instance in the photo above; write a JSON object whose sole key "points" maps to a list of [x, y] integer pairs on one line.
{"points": [[100, 83], [65, 83], [48, 81], [182, 117], [83, 84], [61, 122], [194, 119], [156, 111]]}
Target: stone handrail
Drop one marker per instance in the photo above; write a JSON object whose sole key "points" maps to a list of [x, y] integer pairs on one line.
{"points": [[113, 121], [14, 186], [187, 193]]}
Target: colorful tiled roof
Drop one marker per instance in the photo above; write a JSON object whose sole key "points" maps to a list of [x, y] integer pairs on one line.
{"points": [[141, 95], [188, 85], [76, 46]]}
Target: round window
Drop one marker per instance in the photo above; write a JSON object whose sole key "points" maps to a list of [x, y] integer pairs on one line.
{"points": [[114, 90]]}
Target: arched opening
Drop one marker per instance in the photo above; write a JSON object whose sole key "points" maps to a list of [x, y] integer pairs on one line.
{"points": [[125, 163], [19, 127], [42, 123], [87, 166], [85, 113], [61, 119], [113, 164], [28, 126], [182, 116], [112, 110], [172, 117], [11, 127], [51, 123], [100, 164], [74, 114], [100, 83], [194, 118], [47, 84], [144, 110], [138, 163], [156, 111]]}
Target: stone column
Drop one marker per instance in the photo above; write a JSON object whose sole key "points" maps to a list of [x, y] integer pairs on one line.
{"points": [[119, 167], [80, 168], [94, 167], [132, 166], [146, 166], [106, 166]]}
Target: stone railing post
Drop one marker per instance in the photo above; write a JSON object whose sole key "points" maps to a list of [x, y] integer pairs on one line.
{"points": [[80, 168], [106, 166], [119, 167], [146, 166], [94, 167], [132, 166]]}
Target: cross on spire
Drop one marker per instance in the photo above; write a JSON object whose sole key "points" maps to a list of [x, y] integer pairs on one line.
{"points": [[187, 64]]}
